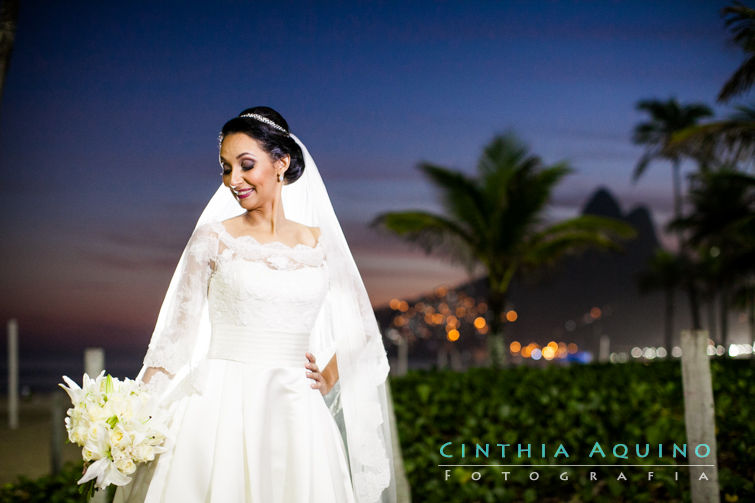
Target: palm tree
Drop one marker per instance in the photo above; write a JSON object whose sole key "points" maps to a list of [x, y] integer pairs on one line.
{"points": [[664, 272], [495, 221], [666, 118], [8, 17], [744, 298], [740, 20], [721, 142], [722, 225], [708, 273]]}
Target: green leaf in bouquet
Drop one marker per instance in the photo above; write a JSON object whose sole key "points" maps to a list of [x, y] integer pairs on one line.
{"points": [[109, 388], [87, 490]]}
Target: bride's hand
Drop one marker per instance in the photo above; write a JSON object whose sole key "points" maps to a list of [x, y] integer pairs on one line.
{"points": [[320, 382], [156, 379], [151, 371]]}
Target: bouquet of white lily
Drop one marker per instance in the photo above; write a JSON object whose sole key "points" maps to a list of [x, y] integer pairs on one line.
{"points": [[116, 424]]}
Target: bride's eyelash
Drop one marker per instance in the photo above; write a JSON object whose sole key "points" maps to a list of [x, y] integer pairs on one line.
{"points": [[245, 168]]}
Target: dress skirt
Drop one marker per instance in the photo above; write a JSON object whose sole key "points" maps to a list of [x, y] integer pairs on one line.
{"points": [[256, 435]]}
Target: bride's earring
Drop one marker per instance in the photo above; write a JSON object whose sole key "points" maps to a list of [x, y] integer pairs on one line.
{"points": [[280, 177]]}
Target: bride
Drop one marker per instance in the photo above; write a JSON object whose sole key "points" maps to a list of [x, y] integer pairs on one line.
{"points": [[266, 343]]}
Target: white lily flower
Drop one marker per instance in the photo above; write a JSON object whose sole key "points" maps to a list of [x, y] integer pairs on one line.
{"points": [[117, 424]]}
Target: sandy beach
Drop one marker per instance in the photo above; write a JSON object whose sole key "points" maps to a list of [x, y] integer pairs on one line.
{"points": [[26, 450]]}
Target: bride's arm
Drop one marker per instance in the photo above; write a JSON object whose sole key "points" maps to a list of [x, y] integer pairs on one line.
{"points": [[176, 331], [330, 372]]}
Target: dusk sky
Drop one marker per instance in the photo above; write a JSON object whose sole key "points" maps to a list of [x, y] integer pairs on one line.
{"points": [[111, 110]]}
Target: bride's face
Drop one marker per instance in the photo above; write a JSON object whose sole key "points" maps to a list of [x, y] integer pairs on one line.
{"points": [[249, 171]]}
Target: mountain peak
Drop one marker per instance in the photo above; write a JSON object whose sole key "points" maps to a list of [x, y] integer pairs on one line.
{"points": [[602, 203]]}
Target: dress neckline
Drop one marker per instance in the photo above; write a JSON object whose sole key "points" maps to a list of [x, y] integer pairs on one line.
{"points": [[276, 244]]}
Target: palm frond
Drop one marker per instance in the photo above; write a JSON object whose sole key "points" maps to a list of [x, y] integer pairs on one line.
{"points": [[460, 195], [529, 196], [548, 252], [720, 142], [589, 223], [573, 236], [642, 165], [740, 81], [433, 233], [739, 19]]}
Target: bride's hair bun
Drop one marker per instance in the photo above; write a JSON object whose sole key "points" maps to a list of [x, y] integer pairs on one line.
{"points": [[274, 141]]}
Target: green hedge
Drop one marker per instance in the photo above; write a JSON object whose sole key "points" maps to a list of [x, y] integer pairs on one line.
{"points": [[59, 488], [631, 403]]}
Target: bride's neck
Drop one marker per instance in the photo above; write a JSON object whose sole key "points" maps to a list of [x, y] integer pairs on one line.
{"points": [[270, 221]]}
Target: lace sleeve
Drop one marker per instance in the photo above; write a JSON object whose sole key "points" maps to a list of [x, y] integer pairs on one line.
{"points": [[177, 325]]}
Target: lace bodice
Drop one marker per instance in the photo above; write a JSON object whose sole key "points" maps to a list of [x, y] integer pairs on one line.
{"points": [[268, 285], [245, 283]]}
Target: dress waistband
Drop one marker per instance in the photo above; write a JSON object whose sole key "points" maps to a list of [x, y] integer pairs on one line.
{"points": [[265, 348]]}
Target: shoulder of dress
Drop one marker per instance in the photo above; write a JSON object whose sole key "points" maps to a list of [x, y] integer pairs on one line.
{"points": [[208, 229], [205, 239]]}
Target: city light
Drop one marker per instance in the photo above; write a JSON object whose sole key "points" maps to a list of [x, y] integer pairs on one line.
{"points": [[452, 310]]}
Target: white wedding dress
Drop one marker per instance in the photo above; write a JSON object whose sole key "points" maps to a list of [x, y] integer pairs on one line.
{"points": [[259, 433]]}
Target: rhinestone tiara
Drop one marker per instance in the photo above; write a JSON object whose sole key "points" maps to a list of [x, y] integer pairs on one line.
{"points": [[259, 118], [265, 120]]}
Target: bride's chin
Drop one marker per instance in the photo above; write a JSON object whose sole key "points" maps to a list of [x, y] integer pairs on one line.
{"points": [[246, 203]]}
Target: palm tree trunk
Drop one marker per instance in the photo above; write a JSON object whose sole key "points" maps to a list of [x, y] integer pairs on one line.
{"points": [[677, 183], [724, 306], [496, 342], [669, 321], [694, 306], [712, 321], [692, 293], [751, 309]]}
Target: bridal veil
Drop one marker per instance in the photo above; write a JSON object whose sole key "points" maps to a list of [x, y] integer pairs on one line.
{"points": [[346, 326]]}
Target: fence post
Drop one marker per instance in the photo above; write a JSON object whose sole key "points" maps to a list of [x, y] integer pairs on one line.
{"points": [[13, 373], [57, 435], [604, 350], [94, 361], [403, 355], [699, 415]]}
